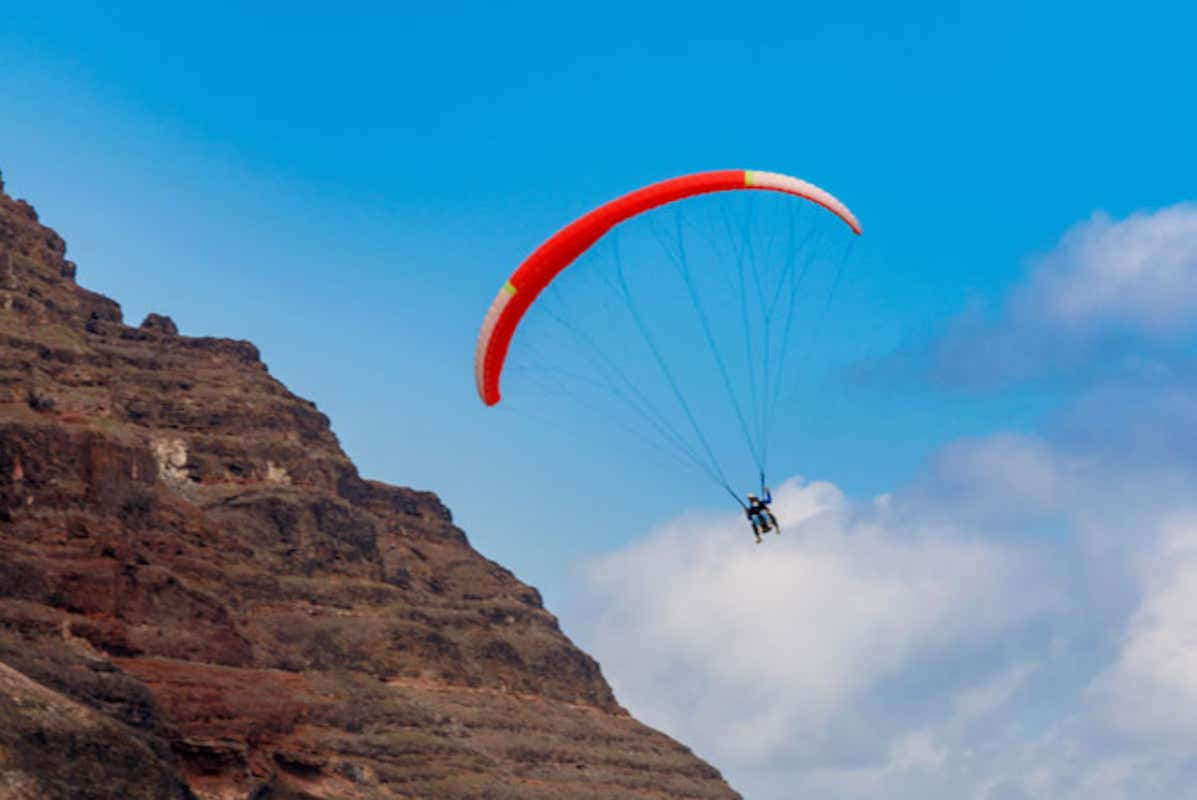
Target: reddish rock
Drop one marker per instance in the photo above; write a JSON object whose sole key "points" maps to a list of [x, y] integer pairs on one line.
{"points": [[194, 572]]}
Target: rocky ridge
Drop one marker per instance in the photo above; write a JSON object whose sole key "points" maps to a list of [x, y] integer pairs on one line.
{"points": [[200, 597]]}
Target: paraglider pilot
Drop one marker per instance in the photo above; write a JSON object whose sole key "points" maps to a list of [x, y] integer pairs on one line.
{"points": [[760, 516]]}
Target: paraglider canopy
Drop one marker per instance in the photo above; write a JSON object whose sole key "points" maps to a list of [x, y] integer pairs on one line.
{"points": [[564, 247]]}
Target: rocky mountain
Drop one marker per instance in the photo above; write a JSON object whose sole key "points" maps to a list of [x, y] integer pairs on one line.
{"points": [[200, 597]]}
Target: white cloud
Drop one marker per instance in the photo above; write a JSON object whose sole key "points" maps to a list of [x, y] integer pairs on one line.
{"points": [[1151, 688], [750, 651], [917, 752], [1139, 273], [1104, 280], [1002, 473], [1016, 624], [990, 696]]}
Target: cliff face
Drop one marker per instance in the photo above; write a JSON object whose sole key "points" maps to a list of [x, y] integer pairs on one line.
{"points": [[200, 596]]}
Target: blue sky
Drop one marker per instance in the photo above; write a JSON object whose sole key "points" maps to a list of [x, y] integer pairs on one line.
{"points": [[349, 190]]}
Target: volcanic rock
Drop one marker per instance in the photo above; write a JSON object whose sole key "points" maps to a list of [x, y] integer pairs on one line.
{"points": [[200, 597]]}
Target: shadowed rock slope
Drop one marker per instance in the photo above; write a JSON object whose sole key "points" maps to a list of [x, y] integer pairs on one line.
{"points": [[201, 598]]}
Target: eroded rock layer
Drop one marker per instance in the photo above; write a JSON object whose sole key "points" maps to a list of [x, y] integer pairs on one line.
{"points": [[200, 596]]}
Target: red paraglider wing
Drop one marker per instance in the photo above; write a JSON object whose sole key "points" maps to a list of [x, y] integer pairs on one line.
{"points": [[564, 247]]}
